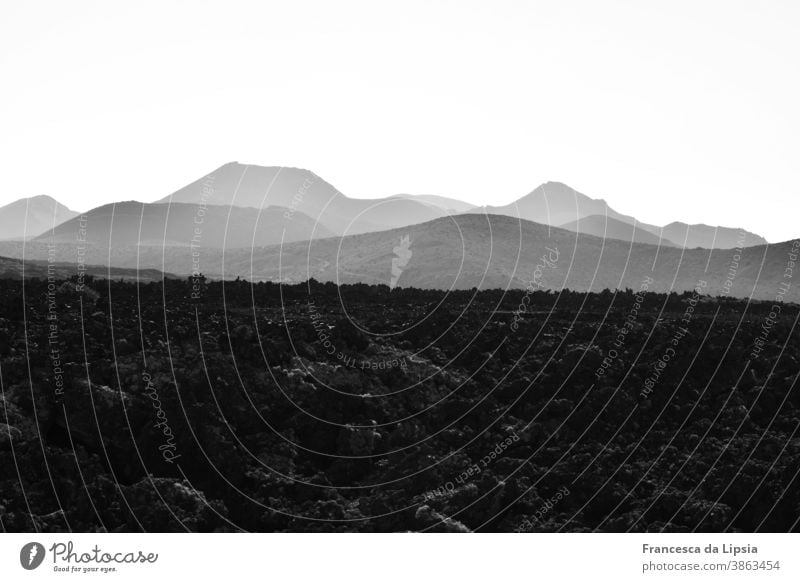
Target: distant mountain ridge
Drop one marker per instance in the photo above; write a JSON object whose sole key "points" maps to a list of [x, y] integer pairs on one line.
{"points": [[30, 217], [304, 194], [552, 203], [557, 204], [303, 191], [606, 227], [135, 223], [701, 235]]}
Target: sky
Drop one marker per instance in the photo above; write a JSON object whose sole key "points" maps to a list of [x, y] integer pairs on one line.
{"points": [[667, 110]]}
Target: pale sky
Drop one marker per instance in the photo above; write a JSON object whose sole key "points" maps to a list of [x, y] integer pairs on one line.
{"points": [[669, 110]]}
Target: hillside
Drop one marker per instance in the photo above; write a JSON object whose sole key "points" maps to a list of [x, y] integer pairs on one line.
{"points": [[15, 269], [463, 252], [501, 252]]}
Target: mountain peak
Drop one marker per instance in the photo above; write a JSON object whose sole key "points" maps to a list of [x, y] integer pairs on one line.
{"points": [[43, 198], [30, 217], [556, 203], [38, 200], [555, 184]]}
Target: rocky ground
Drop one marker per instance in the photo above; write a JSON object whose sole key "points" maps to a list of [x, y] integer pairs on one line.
{"points": [[186, 406]]}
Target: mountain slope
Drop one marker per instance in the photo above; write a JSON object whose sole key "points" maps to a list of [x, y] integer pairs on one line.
{"points": [[499, 252], [132, 223], [30, 217], [466, 251], [605, 227]]}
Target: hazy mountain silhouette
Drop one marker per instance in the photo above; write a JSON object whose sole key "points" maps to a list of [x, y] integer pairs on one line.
{"points": [[303, 191], [465, 251], [555, 204], [131, 223], [552, 203], [30, 217], [246, 209], [452, 205], [701, 235], [606, 227]]}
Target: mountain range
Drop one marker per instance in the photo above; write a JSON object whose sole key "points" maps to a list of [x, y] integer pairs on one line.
{"points": [[286, 198], [288, 224], [557, 204]]}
